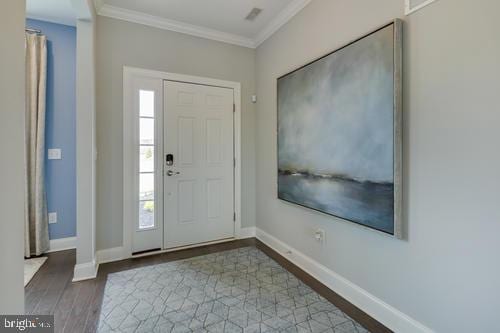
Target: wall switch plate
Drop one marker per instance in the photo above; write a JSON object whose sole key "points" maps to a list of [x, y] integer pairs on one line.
{"points": [[254, 98], [54, 154], [52, 218]]}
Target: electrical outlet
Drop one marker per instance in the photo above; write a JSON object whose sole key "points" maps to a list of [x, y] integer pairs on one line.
{"points": [[52, 218], [319, 235]]}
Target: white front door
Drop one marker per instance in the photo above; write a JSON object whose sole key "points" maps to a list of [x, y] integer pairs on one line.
{"points": [[198, 164]]}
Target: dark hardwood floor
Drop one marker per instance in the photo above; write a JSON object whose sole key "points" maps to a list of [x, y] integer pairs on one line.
{"points": [[76, 305]]}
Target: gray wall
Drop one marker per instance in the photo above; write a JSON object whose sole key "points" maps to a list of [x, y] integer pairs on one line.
{"points": [[446, 274], [12, 73], [122, 43]]}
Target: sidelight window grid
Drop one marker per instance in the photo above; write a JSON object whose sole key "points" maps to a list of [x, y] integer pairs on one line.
{"points": [[146, 159]]}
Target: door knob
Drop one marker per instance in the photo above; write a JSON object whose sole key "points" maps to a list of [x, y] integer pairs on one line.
{"points": [[170, 173]]}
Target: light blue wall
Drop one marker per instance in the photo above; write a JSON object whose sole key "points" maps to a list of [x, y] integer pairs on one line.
{"points": [[60, 125]]}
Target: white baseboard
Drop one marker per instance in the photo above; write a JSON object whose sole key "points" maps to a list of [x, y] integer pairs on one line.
{"points": [[85, 271], [248, 232], [62, 244], [378, 309], [110, 255]]}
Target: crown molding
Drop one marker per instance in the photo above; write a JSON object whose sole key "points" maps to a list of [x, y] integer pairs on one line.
{"points": [[283, 17], [190, 29], [166, 24], [98, 5]]}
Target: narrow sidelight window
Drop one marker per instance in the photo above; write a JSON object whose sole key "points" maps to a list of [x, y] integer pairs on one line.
{"points": [[146, 159]]}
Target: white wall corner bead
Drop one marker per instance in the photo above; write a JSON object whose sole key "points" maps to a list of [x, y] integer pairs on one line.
{"points": [[85, 271], [412, 6]]}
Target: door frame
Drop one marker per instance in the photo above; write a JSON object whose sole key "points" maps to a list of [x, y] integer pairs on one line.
{"points": [[130, 156]]}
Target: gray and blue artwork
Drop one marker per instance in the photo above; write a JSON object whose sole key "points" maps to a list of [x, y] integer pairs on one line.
{"points": [[336, 133]]}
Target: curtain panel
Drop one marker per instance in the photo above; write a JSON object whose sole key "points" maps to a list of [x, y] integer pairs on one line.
{"points": [[36, 225]]}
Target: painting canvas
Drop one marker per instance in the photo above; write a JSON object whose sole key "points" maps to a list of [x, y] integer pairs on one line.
{"points": [[339, 132]]}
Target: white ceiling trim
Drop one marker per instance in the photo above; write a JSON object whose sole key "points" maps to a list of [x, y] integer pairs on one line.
{"points": [[283, 17], [162, 23]]}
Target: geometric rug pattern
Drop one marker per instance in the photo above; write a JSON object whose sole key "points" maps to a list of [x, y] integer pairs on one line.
{"points": [[241, 290]]}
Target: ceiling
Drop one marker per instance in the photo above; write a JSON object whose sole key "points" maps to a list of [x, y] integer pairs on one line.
{"points": [[56, 11], [222, 20]]}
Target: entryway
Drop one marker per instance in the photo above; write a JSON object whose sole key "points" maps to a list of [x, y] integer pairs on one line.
{"points": [[181, 183]]}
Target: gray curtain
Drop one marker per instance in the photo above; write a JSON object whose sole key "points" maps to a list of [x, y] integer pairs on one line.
{"points": [[36, 240]]}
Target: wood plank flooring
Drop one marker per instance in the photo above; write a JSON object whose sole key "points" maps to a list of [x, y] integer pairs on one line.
{"points": [[76, 306]]}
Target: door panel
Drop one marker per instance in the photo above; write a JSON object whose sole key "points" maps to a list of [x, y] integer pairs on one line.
{"points": [[198, 194], [186, 140], [214, 142], [214, 197], [186, 202]]}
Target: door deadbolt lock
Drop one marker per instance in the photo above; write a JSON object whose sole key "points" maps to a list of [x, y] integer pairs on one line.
{"points": [[169, 159]]}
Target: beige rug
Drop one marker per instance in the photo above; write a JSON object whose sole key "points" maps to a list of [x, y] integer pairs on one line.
{"points": [[31, 266], [240, 290]]}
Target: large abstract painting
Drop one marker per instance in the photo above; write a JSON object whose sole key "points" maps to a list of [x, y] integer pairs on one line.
{"points": [[339, 132]]}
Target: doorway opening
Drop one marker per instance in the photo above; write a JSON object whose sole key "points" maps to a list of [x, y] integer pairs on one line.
{"points": [[181, 161]]}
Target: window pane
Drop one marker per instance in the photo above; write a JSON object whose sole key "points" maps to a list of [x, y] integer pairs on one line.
{"points": [[147, 131], [146, 214], [147, 186], [147, 159], [146, 103]]}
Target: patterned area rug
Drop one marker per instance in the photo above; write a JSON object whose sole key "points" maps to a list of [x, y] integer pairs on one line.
{"points": [[240, 290]]}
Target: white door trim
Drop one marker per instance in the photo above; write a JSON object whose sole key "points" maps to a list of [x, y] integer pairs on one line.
{"points": [[129, 152]]}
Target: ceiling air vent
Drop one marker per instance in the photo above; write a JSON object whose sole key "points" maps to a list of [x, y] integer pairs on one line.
{"points": [[414, 5], [253, 14]]}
